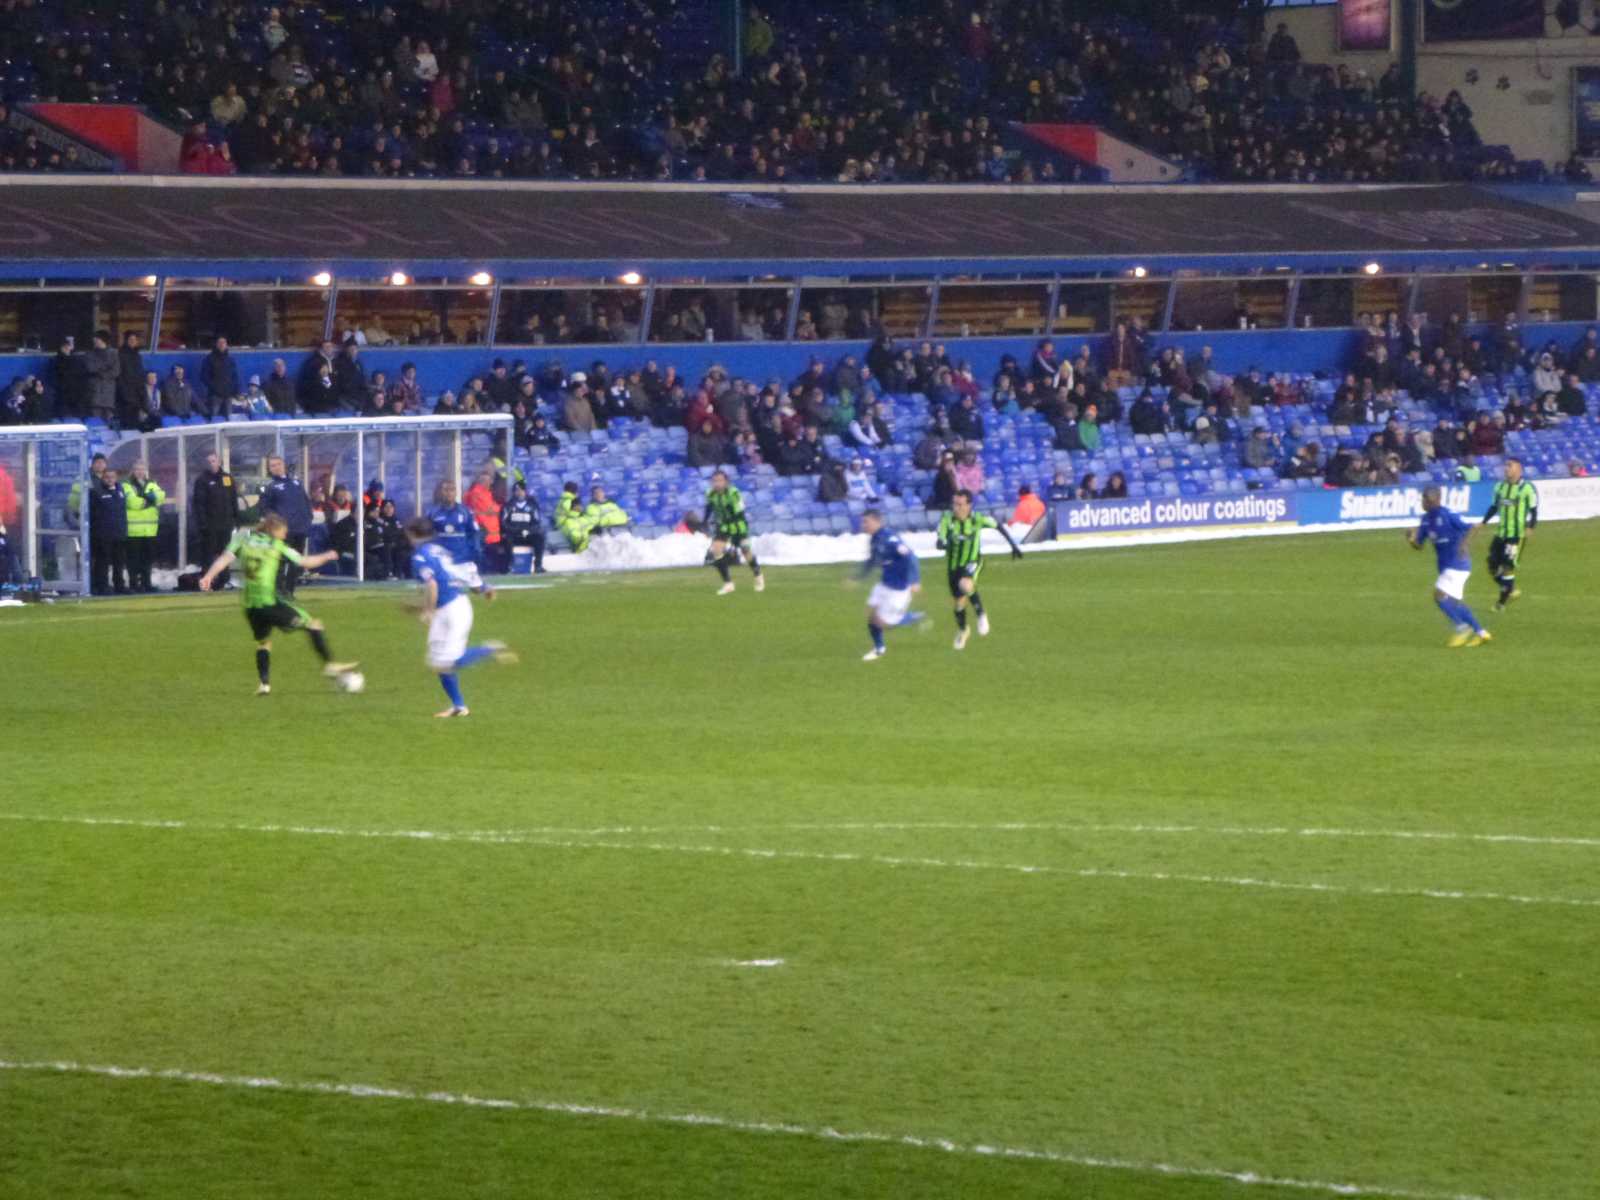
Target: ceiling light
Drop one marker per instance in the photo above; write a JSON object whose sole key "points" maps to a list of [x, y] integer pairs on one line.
{"points": [[1372, 268], [322, 279], [482, 279], [631, 278], [399, 279]]}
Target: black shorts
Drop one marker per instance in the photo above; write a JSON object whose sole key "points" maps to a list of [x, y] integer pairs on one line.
{"points": [[738, 539], [970, 571], [1503, 553], [277, 616]]}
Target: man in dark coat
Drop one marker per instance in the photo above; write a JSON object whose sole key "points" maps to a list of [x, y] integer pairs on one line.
{"points": [[101, 367], [313, 397], [108, 535], [214, 506], [130, 379], [72, 399], [285, 495], [219, 375]]}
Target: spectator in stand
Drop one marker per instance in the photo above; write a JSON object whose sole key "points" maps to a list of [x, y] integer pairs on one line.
{"points": [[350, 377], [1123, 358], [966, 421], [279, 388], [150, 403], [1546, 376], [71, 382], [500, 387], [219, 376], [945, 482], [1116, 487], [1261, 450], [1487, 432], [108, 535], [130, 380], [577, 413], [178, 399], [860, 481], [1149, 415], [314, 390], [708, 447], [405, 393], [102, 367], [1571, 400]]}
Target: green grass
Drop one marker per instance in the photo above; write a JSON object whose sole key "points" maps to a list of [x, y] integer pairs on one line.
{"points": [[1366, 1033]]}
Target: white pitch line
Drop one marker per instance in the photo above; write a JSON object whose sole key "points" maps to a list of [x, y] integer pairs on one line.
{"points": [[697, 1120], [1240, 831], [883, 860], [1220, 831]]}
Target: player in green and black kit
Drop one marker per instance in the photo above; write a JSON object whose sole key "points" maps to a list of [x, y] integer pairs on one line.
{"points": [[961, 539], [260, 551], [1516, 503], [730, 532]]}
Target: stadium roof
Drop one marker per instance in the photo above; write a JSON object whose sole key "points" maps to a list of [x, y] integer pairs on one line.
{"points": [[266, 227]]}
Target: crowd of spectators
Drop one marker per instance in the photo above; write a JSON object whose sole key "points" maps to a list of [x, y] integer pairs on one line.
{"points": [[1440, 369], [834, 89]]}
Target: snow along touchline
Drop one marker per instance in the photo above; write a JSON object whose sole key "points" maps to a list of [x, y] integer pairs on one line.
{"points": [[529, 838], [826, 1133]]}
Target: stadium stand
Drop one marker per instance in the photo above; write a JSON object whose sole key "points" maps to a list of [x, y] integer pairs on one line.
{"points": [[569, 90], [638, 442]]}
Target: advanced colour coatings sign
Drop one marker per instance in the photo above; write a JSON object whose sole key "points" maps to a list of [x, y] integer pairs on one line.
{"points": [[1187, 512], [1385, 506]]}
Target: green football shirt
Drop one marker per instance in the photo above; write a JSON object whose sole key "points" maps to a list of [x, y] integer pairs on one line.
{"points": [[259, 555], [963, 538], [1515, 502]]}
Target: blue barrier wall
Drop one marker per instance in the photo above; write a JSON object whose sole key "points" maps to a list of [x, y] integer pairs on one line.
{"points": [[450, 366]]}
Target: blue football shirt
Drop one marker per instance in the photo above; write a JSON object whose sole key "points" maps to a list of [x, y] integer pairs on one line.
{"points": [[1448, 533], [891, 555], [431, 561]]}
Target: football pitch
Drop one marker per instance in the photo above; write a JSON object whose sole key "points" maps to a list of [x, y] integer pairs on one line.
{"points": [[1210, 874]]}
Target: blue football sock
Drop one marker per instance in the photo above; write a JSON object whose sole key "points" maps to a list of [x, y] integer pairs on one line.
{"points": [[473, 654], [452, 688], [1466, 615], [877, 635], [1459, 614]]}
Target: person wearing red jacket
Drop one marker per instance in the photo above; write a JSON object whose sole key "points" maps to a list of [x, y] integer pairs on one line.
{"points": [[485, 508]]}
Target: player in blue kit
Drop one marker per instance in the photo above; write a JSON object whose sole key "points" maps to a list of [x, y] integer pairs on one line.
{"points": [[1450, 536], [454, 526], [447, 612], [889, 603]]}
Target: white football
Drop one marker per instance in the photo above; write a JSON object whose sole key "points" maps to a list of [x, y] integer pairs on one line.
{"points": [[352, 682]]}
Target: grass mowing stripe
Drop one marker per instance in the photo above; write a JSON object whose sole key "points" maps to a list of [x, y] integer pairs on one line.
{"points": [[364, 1091], [884, 860]]}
